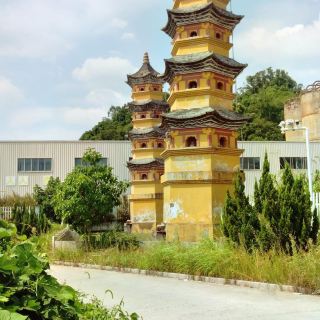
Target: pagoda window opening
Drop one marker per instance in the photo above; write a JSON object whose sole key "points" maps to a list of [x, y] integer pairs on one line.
{"points": [[155, 89], [143, 116], [144, 176], [193, 85], [193, 34], [223, 142], [191, 142], [143, 145], [220, 85], [141, 89], [160, 145], [218, 35]]}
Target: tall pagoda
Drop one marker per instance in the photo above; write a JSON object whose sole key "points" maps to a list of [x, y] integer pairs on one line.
{"points": [[201, 156], [146, 166]]}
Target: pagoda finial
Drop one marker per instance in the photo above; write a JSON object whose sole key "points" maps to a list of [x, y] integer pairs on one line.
{"points": [[146, 58]]}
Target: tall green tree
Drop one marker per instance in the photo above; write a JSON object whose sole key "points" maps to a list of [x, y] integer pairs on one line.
{"points": [[263, 98], [240, 221], [115, 127], [88, 194]]}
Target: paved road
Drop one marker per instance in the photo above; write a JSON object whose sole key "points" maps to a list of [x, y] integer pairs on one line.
{"points": [[159, 298]]}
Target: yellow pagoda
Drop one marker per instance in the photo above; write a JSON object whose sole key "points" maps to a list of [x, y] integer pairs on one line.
{"points": [[146, 166], [201, 156]]}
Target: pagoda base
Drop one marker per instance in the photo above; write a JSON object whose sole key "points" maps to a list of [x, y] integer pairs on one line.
{"points": [[193, 209], [146, 212]]}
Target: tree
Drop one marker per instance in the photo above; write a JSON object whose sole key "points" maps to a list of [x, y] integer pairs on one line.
{"points": [[263, 98], [239, 219], [115, 127], [44, 198], [88, 194]]}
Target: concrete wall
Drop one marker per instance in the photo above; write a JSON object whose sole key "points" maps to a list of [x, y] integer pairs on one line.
{"points": [[62, 153]]}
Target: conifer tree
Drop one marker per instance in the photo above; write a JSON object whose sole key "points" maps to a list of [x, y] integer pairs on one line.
{"points": [[315, 227]]}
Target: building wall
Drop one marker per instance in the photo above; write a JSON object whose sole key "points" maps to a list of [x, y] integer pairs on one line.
{"points": [[62, 153], [275, 150]]}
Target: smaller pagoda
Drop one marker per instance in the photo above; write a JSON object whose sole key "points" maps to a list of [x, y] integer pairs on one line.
{"points": [[146, 166]]}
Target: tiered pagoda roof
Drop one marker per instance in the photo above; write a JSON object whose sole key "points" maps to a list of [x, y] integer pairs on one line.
{"points": [[198, 14], [146, 74], [209, 117], [201, 62], [146, 105], [145, 164], [153, 132]]}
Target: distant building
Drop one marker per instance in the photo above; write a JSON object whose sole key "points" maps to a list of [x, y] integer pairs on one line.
{"points": [[279, 152], [23, 164], [306, 109]]}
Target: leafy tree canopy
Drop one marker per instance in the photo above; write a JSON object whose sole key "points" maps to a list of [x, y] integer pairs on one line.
{"points": [[115, 127], [88, 194], [263, 98]]}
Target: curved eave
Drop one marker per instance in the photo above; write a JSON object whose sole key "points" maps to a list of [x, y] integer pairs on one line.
{"points": [[201, 63], [149, 78], [145, 164], [136, 106], [204, 118], [199, 14], [155, 132]]}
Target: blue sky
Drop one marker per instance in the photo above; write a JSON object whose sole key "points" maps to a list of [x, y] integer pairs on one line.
{"points": [[63, 63]]}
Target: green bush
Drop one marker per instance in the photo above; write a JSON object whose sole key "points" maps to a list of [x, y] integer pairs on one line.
{"points": [[112, 239], [28, 292], [29, 222]]}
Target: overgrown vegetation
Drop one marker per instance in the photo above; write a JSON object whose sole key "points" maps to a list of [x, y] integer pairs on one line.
{"points": [[263, 98], [28, 292], [113, 239], [281, 217], [16, 200], [211, 258], [29, 222], [44, 198], [88, 194]]}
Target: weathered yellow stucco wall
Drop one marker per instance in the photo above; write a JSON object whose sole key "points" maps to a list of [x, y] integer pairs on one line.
{"points": [[187, 3]]}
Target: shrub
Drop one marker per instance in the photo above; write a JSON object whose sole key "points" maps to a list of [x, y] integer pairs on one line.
{"points": [[108, 239], [28, 292], [28, 222]]}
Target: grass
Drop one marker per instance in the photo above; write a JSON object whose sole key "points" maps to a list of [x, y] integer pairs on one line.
{"points": [[208, 258]]}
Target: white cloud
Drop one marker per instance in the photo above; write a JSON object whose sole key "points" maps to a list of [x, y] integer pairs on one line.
{"points": [[9, 94], [44, 28], [106, 97], [83, 116], [294, 48], [104, 73], [128, 36]]}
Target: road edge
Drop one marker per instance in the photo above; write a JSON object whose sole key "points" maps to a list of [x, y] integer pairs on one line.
{"points": [[181, 276]]}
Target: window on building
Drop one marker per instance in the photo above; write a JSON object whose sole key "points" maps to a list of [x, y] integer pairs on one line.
{"points": [[143, 116], [191, 142], [144, 176], [143, 145], [141, 89], [223, 142], [34, 164], [78, 162], [218, 35], [220, 85], [193, 85], [250, 163], [155, 89], [298, 163], [160, 145], [193, 34]]}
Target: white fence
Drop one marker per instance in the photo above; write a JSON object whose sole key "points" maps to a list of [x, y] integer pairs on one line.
{"points": [[316, 201], [5, 213]]}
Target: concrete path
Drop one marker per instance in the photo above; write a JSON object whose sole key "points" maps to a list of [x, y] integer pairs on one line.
{"points": [[170, 299]]}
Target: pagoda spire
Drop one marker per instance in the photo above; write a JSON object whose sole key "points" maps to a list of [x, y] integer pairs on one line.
{"points": [[146, 58]]}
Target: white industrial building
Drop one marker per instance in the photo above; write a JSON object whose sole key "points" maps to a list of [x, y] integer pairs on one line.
{"points": [[23, 164]]}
